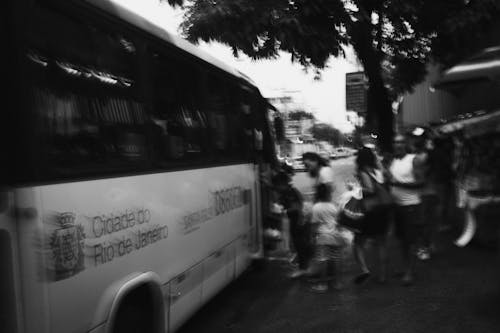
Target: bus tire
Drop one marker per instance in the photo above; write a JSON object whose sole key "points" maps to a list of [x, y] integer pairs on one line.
{"points": [[136, 313]]}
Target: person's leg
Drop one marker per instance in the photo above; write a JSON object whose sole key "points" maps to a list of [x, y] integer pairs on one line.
{"points": [[298, 244], [382, 220], [359, 255], [401, 224], [424, 239], [382, 256], [321, 265], [337, 269], [434, 222], [414, 232], [305, 250], [294, 233], [410, 263], [308, 246]]}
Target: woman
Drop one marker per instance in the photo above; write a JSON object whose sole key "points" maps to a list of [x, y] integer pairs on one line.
{"points": [[376, 221]]}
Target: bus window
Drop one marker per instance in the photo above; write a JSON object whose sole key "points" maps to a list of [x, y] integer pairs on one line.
{"points": [[181, 135], [218, 103], [89, 116], [230, 114], [242, 123]]}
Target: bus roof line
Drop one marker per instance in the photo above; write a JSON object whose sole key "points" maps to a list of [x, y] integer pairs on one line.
{"points": [[114, 8]]}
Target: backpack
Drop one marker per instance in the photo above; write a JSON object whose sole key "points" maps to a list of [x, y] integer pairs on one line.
{"points": [[381, 198]]}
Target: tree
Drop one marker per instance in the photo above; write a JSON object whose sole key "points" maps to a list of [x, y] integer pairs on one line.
{"points": [[325, 132], [393, 39]]}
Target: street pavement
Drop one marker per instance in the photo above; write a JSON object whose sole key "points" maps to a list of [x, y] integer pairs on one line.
{"points": [[458, 290]]}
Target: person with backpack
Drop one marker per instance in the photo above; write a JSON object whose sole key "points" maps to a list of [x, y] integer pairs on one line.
{"points": [[376, 202]]}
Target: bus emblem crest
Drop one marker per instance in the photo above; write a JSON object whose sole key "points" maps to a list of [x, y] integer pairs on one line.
{"points": [[67, 244]]}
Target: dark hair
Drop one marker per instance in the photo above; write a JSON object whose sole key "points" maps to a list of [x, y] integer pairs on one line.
{"points": [[419, 143], [314, 157], [323, 193], [287, 169], [366, 159]]}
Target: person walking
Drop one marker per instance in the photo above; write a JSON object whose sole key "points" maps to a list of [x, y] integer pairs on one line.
{"points": [[328, 241], [406, 180], [292, 202], [375, 224]]}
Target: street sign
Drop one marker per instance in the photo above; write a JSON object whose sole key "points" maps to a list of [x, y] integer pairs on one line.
{"points": [[356, 90]]}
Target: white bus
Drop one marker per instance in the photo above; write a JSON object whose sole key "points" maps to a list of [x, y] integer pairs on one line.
{"points": [[130, 174]]}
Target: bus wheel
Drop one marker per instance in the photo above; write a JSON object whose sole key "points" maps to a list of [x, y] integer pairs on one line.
{"points": [[136, 313]]}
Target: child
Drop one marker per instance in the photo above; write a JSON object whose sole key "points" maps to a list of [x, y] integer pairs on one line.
{"points": [[292, 202], [329, 240]]}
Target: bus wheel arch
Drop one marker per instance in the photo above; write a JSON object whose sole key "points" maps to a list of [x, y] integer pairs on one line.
{"points": [[137, 305]]}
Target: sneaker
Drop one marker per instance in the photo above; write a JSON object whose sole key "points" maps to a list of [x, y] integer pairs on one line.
{"points": [[297, 274], [423, 254], [319, 288]]}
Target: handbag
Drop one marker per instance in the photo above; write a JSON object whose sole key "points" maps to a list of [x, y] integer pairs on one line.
{"points": [[354, 208], [381, 198], [352, 215]]}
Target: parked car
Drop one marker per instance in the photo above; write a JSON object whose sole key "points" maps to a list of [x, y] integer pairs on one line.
{"points": [[342, 152]]}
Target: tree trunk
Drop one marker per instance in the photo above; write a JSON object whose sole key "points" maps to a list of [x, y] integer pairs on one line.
{"points": [[380, 117]]}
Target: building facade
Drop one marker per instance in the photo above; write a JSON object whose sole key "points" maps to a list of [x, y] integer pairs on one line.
{"points": [[426, 105]]}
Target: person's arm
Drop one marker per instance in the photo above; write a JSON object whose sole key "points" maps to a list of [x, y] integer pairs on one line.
{"points": [[420, 163]]}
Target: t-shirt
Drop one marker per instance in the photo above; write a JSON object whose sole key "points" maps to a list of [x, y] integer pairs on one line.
{"points": [[325, 214], [325, 176], [402, 171]]}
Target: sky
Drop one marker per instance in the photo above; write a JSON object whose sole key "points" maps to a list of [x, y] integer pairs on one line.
{"points": [[277, 77]]}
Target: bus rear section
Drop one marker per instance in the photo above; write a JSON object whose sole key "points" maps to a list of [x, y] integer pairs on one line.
{"points": [[133, 191]]}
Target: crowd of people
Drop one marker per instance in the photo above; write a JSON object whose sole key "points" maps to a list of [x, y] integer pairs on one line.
{"points": [[400, 195]]}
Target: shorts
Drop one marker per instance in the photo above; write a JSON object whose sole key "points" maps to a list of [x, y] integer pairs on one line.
{"points": [[376, 223], [327, 253], [409, 225]]}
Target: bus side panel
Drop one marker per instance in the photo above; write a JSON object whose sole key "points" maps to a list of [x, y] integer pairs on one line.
{"points": [[97, 232]]}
